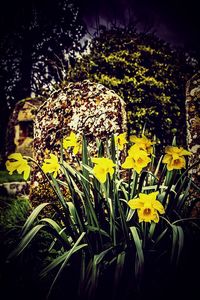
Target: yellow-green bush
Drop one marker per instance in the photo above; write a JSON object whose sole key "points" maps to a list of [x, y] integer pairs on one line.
{"points": [[146, 73]]}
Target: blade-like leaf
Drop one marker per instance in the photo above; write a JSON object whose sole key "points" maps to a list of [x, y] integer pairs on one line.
{"points": [[29, 222], [139, 259], [57, 228], [180, 242], [26, 240], [64, 260], [120, 264]]}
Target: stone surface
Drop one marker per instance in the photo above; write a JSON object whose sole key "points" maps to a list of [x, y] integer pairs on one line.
{"points": [[14, 189], [20, 127], [193, 128], [82, 107]]}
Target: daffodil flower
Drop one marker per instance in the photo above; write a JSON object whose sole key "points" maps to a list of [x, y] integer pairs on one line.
{"points": [[137, 159], [144, 143], [120, 140], [16, 162], [51, 165], [103, 166], [174, 157], [72, 141], [147, 207]]}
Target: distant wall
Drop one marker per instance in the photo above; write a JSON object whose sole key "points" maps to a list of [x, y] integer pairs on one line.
{"points": [[20, 127]]}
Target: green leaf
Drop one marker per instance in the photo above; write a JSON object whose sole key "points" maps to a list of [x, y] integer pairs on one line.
{"points": [[85, 161], [182, 198], [97, 229], [159, 238], [134, 184], [158, 166], [31, 219], [93, 273], [59, 194], [177, 241], [139, 259], [180, 242], [112, 149], [60, 231], [119, 268], [143, 175], [26, 240], [151, 230], [131, 212], [64, 258]]}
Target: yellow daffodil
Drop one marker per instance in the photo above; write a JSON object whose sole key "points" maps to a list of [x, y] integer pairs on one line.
{"points": [[102, 167], [120, 140], [144, 143], [147, 207], [174, 157], [51, 165], [72, 141], [137, 159], [16, 162]]}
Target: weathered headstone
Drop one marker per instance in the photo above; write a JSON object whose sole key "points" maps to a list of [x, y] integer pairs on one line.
{"points": [[83, 108], [193, 131]]}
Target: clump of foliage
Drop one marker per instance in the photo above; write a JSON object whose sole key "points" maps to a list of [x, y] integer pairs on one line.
{"points": [[36, 41], [13, 212], [5, 177], [123, 224], [146, 72]]}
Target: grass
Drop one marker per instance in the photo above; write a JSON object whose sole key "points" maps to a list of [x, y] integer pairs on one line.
{"points": [[13, 211], [5, 177], [18, 277]]}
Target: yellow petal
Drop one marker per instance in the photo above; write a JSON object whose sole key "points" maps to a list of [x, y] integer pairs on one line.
{"points": [[156, 217], [169, 167], [100, 173], [135, 149], [76, 149], [129, 163], [21, 168], [138, 168], [111, 172], [17, 156], [169, 150], [158, 206], [95, 160], [54, 157], [27, 172], [135, 203], [55, 173], [120, 140], [185, 152], [167, 158], [153, 195]]}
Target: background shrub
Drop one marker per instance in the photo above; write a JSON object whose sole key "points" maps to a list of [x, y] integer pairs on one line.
{"points": [[146, 72]]}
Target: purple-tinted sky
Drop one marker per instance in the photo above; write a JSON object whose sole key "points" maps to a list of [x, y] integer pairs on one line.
{"points": [[176, 21]]}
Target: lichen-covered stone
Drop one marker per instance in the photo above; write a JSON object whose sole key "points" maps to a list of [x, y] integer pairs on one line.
{"points": [[193, 127], [84, 108]]}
